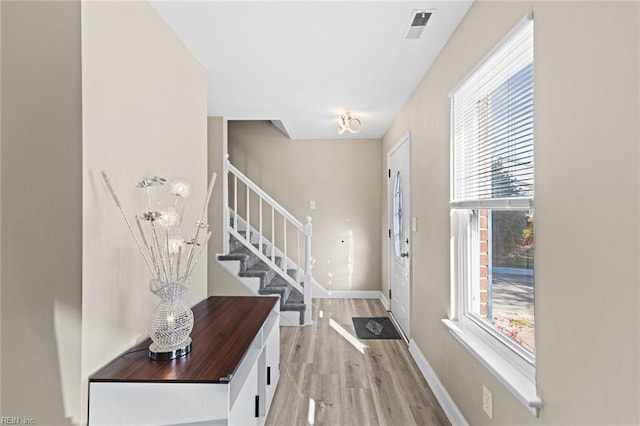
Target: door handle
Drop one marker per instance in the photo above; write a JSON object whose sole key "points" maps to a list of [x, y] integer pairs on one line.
{"points": [[405, 254]]}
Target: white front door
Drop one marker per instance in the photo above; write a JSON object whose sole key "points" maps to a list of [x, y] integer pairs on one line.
{"points": [[399, 201]]}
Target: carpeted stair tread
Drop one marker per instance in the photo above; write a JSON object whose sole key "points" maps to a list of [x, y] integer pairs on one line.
{"points": [[277, 286], [242, 257], [260, 266], [242, 250], [280, 291], [295, 301]]}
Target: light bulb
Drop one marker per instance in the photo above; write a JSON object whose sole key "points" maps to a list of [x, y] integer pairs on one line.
{"points": [[174, 244], [180, 188], [168, 218]]}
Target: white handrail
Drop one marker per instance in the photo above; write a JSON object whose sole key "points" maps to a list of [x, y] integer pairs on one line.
{"points": [[256, 232], [269, 262], [255, 188]]}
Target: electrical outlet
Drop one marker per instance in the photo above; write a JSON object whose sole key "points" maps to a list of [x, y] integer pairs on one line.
{"points": [[312, 205], [414, 224], [487, 402]]}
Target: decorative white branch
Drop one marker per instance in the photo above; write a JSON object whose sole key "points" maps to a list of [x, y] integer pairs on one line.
{"points": [[200, 224], [124, 215]]}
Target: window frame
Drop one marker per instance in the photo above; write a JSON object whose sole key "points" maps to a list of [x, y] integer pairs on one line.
{"points": [[512, 365], [513, 371], [467, 266]]}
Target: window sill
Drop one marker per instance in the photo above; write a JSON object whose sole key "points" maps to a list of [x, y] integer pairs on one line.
{"points": [[519, 384]]}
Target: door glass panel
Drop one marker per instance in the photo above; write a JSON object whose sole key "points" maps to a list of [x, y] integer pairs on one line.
{"points": [[397, 215]]}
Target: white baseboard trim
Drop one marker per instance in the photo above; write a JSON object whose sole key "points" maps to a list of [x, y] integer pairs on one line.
{"points": [[384, 301], [349, 294], [446, 402]]}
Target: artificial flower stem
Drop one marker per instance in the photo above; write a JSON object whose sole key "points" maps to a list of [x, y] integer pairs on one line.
{"points": [[154, 256], [199, 224], [178, 264], [146, 190], [169, 255], [184, 207], [124, 215], [204, 244], [157, 178], [146, 244], [157, 243]]}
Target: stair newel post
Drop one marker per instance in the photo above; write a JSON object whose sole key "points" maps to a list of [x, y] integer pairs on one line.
{"points": [[298, 254], [308, 231], [225, 205]]}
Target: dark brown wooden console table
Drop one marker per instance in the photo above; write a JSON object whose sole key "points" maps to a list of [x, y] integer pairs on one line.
{"points": [[229, 376]]}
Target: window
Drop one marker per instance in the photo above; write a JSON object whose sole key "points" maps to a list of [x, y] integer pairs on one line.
{"points": [[397, 215], [492, 190]]}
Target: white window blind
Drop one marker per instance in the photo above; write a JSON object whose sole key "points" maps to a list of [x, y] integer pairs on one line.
{"points": [[492, 127]]}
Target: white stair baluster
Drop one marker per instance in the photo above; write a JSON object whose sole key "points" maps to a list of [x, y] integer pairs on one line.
{"points": [[284, 258], [273, 234], [248, 234], [235, 202], [260, 226]]}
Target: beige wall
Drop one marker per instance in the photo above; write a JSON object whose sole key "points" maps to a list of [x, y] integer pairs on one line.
{"points": [[41, 185], [144, 113], [587, 210], [220, 281], [341, 176]]}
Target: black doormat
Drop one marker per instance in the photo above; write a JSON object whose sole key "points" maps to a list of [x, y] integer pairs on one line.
{"points": [[375, 328]]}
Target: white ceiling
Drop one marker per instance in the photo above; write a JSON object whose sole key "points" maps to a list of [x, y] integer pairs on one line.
{"points": [[305, 63]]}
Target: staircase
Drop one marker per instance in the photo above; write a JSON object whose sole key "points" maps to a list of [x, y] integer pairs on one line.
{"points": [[269, 282], [264, 261]]}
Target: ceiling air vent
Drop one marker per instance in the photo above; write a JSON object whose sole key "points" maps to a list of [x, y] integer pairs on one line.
{"points": [[419, 19]]}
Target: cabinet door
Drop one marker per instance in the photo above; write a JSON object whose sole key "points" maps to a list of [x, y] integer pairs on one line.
{"points": [[272, 349], [246, 406]]}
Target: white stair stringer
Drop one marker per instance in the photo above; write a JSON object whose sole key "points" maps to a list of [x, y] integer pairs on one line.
{"points": [[233, 267]]}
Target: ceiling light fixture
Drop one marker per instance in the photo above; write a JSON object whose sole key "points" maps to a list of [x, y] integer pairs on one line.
{"points": [[348, 122]]}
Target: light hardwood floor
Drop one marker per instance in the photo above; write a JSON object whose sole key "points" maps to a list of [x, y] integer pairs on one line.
{"points": [[329, 377]]}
